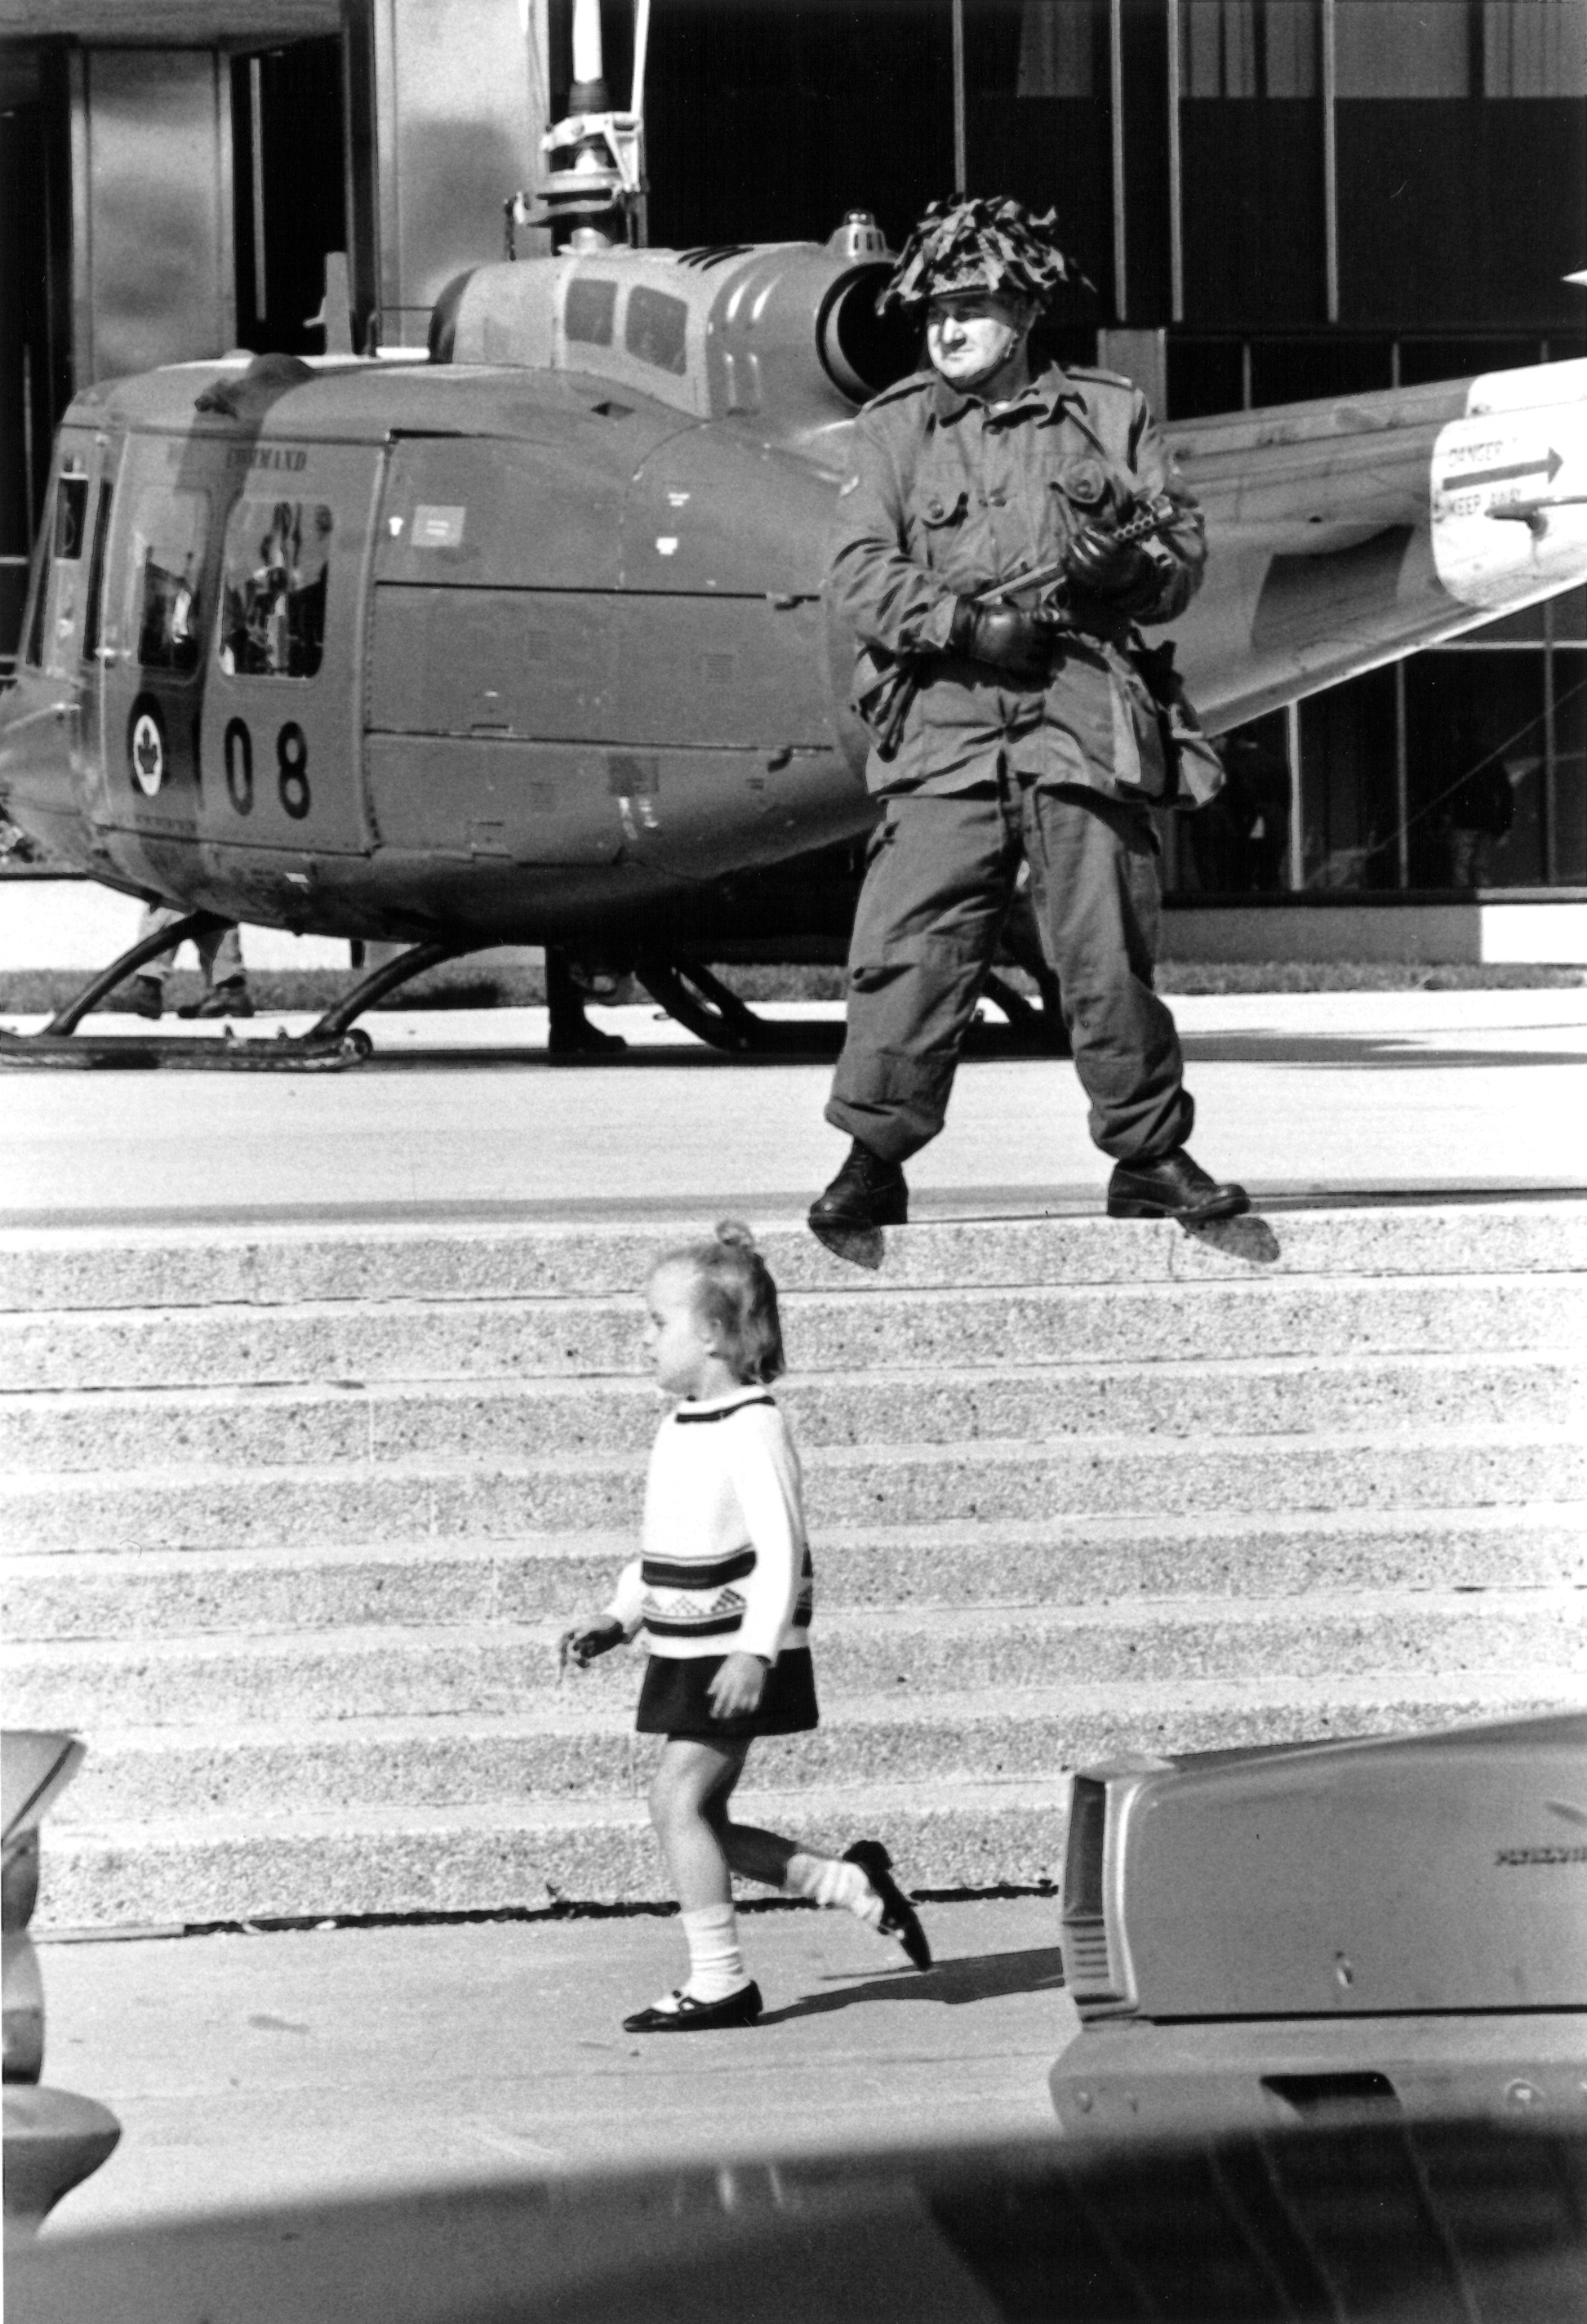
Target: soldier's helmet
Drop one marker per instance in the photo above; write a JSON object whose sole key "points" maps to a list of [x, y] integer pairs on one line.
{"points": [[985, 242]]}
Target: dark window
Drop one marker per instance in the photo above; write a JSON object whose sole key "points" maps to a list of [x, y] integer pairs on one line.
{"points": [[1036, 122], [1403, 48], [272, 620], [588, 312], [288, 183], [1239, 842], [94, 617], [1533, 48], [1478, 735], [655, 329], [1238, 48], [1568, 865], [861, 94], [1350, 812], [71, 514], [1058, 49], [1567, 618]]}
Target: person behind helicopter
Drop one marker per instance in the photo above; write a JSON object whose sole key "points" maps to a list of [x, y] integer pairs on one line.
{"points": [[1007, 526]]}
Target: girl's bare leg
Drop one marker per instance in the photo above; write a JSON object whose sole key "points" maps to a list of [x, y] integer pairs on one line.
{"points": [[859, 1882], [688, 1778], [750, 1852]]}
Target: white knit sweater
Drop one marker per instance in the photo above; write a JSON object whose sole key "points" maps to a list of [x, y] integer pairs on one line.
{"points": [[724, 1568]]}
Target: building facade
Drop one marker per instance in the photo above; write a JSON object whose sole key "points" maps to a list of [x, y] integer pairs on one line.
{"points": [[1273, 199]]}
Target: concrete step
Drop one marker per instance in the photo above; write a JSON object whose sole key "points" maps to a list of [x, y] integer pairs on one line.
{"points": [[505, 1856], [951, 1829], [388, 1340], [576, 1748], [267, 1264], [299, 1515], [505, 1667], [222, 1506], [62, 1432], [138, 1594]]}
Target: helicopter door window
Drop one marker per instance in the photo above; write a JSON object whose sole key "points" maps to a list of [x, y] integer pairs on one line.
{"points": [[168, 563], [274, 596]]}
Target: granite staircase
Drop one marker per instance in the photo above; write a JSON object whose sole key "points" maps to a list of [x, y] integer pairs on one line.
{"points": [[294, 1516]]}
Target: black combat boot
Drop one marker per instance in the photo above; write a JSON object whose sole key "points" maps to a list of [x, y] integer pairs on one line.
{"points": [[1172, 1188], [866, 1193], [231, 999]]}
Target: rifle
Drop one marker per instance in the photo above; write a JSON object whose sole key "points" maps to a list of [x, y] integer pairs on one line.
{"points": [[892, 710]]}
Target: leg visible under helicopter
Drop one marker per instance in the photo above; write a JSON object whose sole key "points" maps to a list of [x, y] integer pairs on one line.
{"points": [[165, 937], [571, 1034]]}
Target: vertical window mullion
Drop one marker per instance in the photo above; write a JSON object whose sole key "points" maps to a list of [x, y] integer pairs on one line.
{"points": [[1115, 94], [1176, 165], [256, 181], [1331, 157]]}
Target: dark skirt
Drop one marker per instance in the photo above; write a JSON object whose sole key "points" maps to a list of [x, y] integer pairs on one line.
{"points": [[673, 1699]]}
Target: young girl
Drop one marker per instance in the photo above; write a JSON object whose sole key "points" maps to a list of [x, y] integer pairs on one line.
{"points": [[723, 1592]]}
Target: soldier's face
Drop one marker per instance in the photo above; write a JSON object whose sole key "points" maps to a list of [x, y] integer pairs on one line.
{"points": [[973, 335]]}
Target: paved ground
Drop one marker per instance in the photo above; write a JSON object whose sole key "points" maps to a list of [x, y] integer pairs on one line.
{"points": [[249, 2068], [1299, 1095], [245, 2067]]}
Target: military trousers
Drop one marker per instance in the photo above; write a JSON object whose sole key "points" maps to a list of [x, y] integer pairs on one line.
{"points": [[941, 872]]}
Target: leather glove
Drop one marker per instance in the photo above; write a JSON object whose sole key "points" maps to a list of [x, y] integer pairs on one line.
{"points": [[1107, 567], [1010, 638]]}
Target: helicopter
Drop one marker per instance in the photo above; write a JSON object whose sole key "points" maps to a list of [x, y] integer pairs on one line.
{"points": [[523, 639]]}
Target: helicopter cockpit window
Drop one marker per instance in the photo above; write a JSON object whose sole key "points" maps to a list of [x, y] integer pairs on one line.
{"points": [[169, 534], [273, 622], [71, 514], [656, 328], [588, 311]]}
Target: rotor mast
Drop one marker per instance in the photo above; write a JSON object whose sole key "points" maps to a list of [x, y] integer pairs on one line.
{"points": [[591, 192]]}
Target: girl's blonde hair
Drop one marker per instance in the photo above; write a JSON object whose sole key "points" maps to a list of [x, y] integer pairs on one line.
{"points": [[734, 1293]]}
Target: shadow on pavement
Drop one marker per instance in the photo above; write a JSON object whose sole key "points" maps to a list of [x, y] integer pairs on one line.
{"points": [[978, 1977], [1248, 1237], [1359, 1053]]}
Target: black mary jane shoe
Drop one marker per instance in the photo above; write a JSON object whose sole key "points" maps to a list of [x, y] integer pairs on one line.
{"points": [[899, 1918], [866, 1193], [1175, 1187], [692, 2016]]}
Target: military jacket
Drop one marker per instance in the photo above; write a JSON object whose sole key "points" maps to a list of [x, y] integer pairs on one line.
{"points": [[949, 495]]}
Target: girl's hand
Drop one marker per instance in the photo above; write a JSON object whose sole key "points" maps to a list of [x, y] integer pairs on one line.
{"points": [[737, 1686], [581, 1645]]}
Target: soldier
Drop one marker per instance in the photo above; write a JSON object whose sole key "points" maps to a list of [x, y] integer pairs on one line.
{"points": [[220, 956], [1010, 720]]}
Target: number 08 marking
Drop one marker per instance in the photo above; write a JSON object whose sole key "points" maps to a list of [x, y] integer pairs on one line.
{"points": [[238, 749], [292, 771]]}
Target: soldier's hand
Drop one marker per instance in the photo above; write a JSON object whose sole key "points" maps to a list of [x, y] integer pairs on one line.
{"points": [[1098, 561], [1011, 638]]}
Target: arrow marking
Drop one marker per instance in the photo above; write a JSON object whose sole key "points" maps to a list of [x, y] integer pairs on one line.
{"points": [[1552, 464]]}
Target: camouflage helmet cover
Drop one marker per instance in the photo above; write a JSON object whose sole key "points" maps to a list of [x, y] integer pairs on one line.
{"points": [[980, 244]]}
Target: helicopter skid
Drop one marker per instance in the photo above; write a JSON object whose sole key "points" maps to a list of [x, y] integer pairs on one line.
{"points": [[134, 1052]]}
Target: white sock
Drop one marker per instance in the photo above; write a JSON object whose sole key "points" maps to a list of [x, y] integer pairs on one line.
{"points": [[716, 1967], [833, 1881]]}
